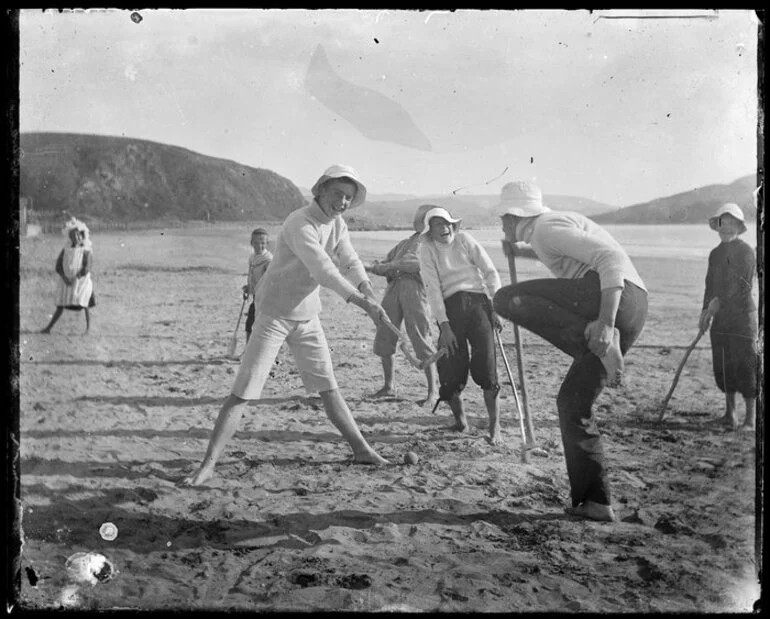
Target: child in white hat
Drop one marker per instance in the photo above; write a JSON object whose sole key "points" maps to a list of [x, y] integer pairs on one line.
{"points": [[730, 310], [461, 281], [76, 288], [313, 249]]}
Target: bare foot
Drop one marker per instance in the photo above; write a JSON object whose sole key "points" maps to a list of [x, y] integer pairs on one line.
{"points": [[385, 392], [460, 426], [369, 457], [428, 402], [495, 437], [748, 427], [203, 474], [728, 421], [613, 361], [592, 511]]}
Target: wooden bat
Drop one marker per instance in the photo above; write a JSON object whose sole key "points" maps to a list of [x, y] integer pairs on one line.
{"points": [[526, 445], [234, 339], [413, 360], [529, 430], [678, 372]]}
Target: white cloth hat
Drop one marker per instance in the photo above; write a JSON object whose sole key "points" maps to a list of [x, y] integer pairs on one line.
{"points": [[438, 211], [727, 209], [340, 171], [521, 199]]}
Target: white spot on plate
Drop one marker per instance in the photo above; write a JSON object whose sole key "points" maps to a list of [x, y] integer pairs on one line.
{"points": [[108, 531], [89, 567], [69, 596]]}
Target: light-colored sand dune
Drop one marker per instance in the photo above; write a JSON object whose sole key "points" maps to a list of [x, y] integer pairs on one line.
{"points": [[112, 421]]}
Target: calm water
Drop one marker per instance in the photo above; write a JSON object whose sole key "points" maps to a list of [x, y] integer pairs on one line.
{"points": [[688, 242]]}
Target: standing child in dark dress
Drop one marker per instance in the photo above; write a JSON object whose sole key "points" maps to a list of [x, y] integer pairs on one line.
{"points": [[258, 263], [727, 300]]}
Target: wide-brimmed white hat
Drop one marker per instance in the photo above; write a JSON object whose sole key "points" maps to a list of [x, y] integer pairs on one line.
{"points": [[521, 199], [419, 217], [438, 211], [342, 171], [728, 209]]}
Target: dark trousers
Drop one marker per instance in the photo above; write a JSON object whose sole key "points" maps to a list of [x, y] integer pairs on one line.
{"points": [[558, 310], [469, 315]]}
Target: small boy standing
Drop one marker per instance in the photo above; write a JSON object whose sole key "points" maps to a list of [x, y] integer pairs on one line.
{"points": [[461, 281], [259, 260], [728, 301]]}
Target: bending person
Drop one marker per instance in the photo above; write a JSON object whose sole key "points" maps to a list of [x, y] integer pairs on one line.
{"points": [[593, 311], [287, 305], [405, 299]]}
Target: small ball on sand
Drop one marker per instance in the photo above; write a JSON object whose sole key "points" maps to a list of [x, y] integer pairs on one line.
{"points": [[411, 458]]}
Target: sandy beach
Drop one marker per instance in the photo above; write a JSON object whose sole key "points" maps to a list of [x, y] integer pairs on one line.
{"points": [[112, 421]]}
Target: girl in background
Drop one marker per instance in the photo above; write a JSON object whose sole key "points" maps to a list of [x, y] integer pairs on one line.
{"points": [[76, 290]]}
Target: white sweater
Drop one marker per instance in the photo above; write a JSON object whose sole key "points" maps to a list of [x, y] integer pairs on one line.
{"points": [[303, 259], [462, 265]]}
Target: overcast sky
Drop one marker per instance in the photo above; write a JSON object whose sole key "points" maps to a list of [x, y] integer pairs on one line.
{"points": [[619, 110]]}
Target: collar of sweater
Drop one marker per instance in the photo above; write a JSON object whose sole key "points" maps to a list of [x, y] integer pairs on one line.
{"points": [[317, 212]]}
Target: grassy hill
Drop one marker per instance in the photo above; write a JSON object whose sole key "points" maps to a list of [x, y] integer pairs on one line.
{"points": [[396, 211], [694, 206], [125, 179]]}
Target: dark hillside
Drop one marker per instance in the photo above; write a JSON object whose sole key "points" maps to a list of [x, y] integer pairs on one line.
{"points": [[123, 179], [690, 207]]}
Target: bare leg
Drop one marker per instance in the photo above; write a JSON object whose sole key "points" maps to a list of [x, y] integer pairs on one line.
{"points": [[749, 423], [389, 372], [490, 399], [432, 377], [456, 404], [339, 414], [226, 425], [88, 320], [56, 315], [728, 418]]}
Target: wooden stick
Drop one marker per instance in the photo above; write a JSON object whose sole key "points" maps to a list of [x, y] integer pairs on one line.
{"points": [[234, 339], [678, 372], [526, 445], [530, 432]]}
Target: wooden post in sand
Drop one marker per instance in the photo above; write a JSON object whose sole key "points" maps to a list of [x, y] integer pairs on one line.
{"points": [[530, 433]]}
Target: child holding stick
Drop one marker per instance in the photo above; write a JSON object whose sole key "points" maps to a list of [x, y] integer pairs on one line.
{"points": [[728, 301], [259, 260], [461, 281]]}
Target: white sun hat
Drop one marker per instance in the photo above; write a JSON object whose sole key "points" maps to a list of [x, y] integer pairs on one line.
{"points": [[438, 211], [342, 171], [521, 199], [727, 209]]}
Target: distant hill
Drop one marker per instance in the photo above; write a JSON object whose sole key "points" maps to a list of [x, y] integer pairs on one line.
{"points": [[475, 210], [125, 179], [694, 206]]}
